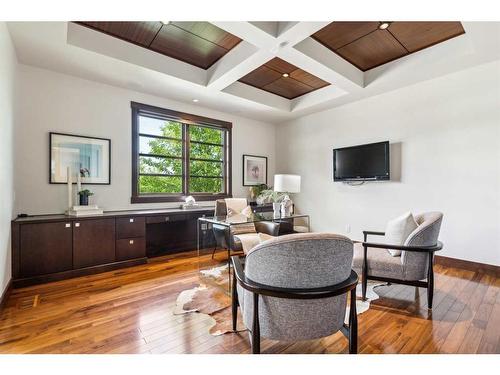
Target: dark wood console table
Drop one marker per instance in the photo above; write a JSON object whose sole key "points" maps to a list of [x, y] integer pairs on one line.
{"points": [[56, 247]]}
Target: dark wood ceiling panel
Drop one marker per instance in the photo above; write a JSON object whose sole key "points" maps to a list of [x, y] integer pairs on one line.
{"points": [[280, 65], [210, 32], [261, 77], [288, 88], [269, 77], [418, 35], [196, 43], [141, 33], [338, 34], [307, 78], [183, 45], [366, 46], [373, 49]]}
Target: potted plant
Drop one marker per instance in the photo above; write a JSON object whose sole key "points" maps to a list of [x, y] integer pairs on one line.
{"points": [[275, 197], [256, 190], [84, 197]]}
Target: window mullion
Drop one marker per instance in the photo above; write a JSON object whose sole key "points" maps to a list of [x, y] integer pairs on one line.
{"points": [[186, 151]]}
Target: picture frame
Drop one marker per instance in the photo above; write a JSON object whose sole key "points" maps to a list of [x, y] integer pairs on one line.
{"points": [[254, 170], [90, 155]]}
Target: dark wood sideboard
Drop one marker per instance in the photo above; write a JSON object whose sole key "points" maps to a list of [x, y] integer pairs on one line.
{"points": [[55, 247]]}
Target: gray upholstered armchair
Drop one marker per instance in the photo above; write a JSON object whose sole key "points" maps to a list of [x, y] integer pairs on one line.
{"points": [[295, 287], [415, 265]]}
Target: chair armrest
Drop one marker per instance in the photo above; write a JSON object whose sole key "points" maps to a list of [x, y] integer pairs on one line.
{"points": [[267, 227], [421, 249], [373, 233], [292, 293]]}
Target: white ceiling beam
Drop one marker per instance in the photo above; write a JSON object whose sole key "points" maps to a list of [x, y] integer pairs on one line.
{"points": [[308, 62], [316, 97], [237, 63], [250, 33], [259, 96], [104, 44], [295, 32]]}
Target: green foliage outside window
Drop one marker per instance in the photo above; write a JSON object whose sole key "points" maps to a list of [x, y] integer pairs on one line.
{"points": [[205, 175]]}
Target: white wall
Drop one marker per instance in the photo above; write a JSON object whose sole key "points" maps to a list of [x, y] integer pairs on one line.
{"points": [[8, 65], [446, 136], [50, 101]]}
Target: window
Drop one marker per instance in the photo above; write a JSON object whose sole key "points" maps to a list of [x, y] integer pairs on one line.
{"points": [[177, 154]]}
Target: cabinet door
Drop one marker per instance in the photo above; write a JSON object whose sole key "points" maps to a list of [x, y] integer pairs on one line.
{"points": [[93, 242], [130, 248], [45, 248]]}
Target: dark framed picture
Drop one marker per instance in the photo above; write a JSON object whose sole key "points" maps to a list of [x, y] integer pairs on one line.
{"points": [[89, 156], [254, 170]]}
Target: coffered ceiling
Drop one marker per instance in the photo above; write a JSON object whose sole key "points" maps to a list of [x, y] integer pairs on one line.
{"points": [[238, 67], [370, 44], [197, 43]]}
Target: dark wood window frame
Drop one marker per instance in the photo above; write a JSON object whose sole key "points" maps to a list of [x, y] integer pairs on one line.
{"points": [[185, 119]]}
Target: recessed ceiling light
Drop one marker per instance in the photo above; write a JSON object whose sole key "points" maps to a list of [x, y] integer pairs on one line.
{"points": [[284, 75], [384, 25], [195, 100], [165, 22]]}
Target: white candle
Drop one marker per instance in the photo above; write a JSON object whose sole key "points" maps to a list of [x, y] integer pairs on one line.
{"points": [[70, 188], [78, 182]]}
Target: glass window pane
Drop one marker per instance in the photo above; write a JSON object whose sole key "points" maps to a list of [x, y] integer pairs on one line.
{"points": [[205, 168], [159, 146], [164, 128], [149, 164], [205, 185], [204, 134], [160, 184], [199, 151]]}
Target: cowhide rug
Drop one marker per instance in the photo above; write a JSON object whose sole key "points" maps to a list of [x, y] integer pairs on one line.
{"points": [[212, 299]]}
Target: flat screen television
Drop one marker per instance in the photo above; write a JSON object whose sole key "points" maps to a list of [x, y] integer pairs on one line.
{"points": [[362, 163]]}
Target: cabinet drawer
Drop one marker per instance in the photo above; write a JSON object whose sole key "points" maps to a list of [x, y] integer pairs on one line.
{"points": [[130, 248], [165, 218], [130, 227]]}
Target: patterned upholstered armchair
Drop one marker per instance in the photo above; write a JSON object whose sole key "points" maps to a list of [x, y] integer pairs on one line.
{"points": [[414, 267], [294, 287]]}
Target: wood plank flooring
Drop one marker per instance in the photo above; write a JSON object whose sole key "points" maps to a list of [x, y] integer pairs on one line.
{"points": [[130, 311]]}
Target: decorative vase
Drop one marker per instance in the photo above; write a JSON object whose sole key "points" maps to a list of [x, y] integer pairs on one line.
{"points": [[84, 200], [276, 209]]}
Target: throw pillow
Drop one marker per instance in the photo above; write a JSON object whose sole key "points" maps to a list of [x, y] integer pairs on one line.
{"points": [[398, 230]]}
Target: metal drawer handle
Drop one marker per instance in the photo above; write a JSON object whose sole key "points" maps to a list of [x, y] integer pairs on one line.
{"points": [[131, 220], [67, 225], [131, 242], [77, 225]]}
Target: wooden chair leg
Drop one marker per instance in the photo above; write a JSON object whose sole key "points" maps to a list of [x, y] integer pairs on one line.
{"points": [[213, 252], [234, 304], [353, 324], [364, 271], [255, 325], [430, 282]]}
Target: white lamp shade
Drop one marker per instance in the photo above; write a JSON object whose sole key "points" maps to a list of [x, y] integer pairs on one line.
{"points": [[287, 183]]}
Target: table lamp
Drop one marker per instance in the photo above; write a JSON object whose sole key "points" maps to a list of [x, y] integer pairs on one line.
{"points": [[286, 183]]}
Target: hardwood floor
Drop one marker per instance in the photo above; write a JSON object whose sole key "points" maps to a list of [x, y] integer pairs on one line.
{"points": [[130, 311]]}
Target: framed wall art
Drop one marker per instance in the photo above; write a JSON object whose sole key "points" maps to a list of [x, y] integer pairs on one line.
{"points": [[90, 156]]}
